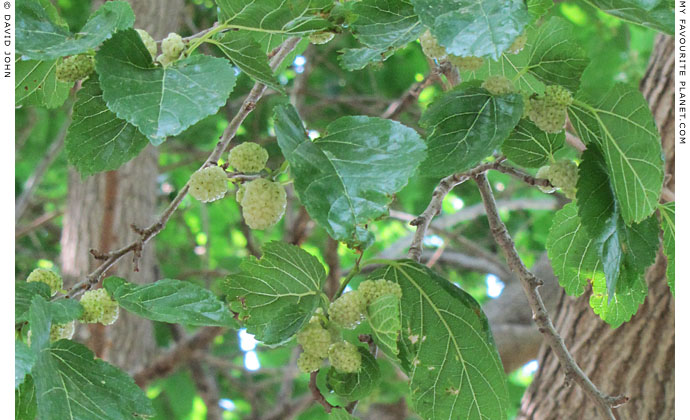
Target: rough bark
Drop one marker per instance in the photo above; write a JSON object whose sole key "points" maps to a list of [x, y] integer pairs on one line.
{"points": [[101, 209], [636, 359]]}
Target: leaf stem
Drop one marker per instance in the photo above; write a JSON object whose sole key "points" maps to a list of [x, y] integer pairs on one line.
{"points": [[355, 270]]}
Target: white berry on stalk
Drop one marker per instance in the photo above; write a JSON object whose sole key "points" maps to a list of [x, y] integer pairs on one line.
{"points": [[98, 307], [345, 357], [48, 277], [208, 184], [348, 310], [149, 42], [172, 46], [248, 157], [263, 203]]}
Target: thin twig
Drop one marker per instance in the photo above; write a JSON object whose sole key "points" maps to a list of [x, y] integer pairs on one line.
{"points": [[146, 234], [530, 284], [317, 395], [444, 187], [524, 177], [37, 223], [35, 179]]}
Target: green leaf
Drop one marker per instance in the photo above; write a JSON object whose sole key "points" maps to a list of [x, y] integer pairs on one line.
{"points": [[276, 295], [481, 28], [538, 8], [658, 15], [73, 385], [446, 348], [383, 26], [25, 400], [384, 318], [97, 140], [160, 101], [554, 58], [341, 414], [346, 178], [621, 124], [172, 301], [531, 147], [355, 386], [24, 359], [572, 251], [36, 84], [65, 310], [40, 38], [246, 53], [23, 293], [40, 317], [668, 225], [358, 58], [297, 17], [467, 125]]}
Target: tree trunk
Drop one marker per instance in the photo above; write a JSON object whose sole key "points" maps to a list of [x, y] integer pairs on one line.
{"points": [[636, 359], [101, 209]]}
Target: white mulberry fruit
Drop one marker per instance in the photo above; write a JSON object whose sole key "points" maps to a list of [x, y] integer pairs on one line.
{"points": [[374, 289], [348, 310], [308, 363], [172, 46], [98, 307], [470, 63], [208, 184], [518, 45], [558, 95], [549, 111], [149, 42], [543, 173], [498, 85], [48, 277], [248, 157], [263, 203], [75, 67], [430, 46], [563, 174], [61, 331], [345, 357], [319, 38], [315, 339]]}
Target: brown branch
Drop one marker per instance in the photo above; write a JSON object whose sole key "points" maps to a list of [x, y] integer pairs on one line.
{"points": [[530, 284], [146, 234], [207, 387], [182, 353], [316, 394], [524, 177], [37, 223], [444, 187], [396, 107]]}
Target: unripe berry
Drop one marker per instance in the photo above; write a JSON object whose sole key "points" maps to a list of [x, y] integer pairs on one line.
{"points": [[48, 277], [149, 42], [543, 173], [98, 307], [547, 116], [348, 310], [558, 95], [518, 44], [308, 363], [321, 37], [498, 85], [470, 63], [172, 46], [75, 67], [315, 339], [345, 357], [374, 289], [430, 46], [563, 174], [248, 157], [61, 331], [164, 60], [208, 184], [263, 203]]}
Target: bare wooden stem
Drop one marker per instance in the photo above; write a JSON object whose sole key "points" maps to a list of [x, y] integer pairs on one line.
{"points": [[530, 284]]}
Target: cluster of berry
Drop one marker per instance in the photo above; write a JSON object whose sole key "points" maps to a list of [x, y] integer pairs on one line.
{"points": [[347, 311], [262, 201], [97, 304]]}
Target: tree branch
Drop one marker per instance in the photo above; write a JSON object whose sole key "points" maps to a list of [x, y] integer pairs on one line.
{"points": [[146, 234], [444, 187], [530, 284], [316, 394]]}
